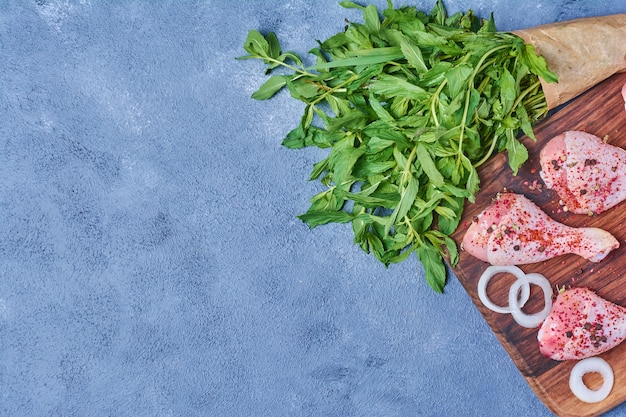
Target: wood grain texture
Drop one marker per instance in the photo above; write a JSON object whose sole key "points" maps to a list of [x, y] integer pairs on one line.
{"points": [[599, 111]]}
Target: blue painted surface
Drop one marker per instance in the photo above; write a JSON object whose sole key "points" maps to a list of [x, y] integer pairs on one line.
{"points": [[151, 261]]}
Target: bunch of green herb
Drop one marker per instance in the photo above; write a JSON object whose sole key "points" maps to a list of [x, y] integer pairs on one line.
{"points": [[409, 104]]}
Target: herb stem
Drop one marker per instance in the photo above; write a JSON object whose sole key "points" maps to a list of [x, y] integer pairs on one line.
{"points": [[479, 67], [435, 100], [468, 95], [334, 89], [301, 71], [409, 164], [524, 94], [515, 104], [487, 155]]}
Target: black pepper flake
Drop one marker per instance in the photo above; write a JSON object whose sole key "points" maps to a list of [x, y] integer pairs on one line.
{"points": [[590, 162], [489, 229], [555, 164], [583, 192], [516, 247], [541, 248], [569, 334]]}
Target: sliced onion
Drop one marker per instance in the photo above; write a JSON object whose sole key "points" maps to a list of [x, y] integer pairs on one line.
{"points": [[490, 272], [530, 320], [578, 387]]}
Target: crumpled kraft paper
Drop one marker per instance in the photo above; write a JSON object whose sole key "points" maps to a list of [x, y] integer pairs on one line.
{"points": [[582, 52]]}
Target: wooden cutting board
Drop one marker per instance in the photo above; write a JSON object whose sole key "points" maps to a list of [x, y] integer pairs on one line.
{"points": [[599, 111]]}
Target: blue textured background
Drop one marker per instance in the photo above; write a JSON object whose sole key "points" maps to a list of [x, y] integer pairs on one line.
{"points": [[151, 261]]}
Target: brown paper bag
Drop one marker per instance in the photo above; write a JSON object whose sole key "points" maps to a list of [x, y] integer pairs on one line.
{"points": [[582, 53]]}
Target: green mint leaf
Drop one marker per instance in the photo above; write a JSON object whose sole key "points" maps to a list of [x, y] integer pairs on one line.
{"points": [[413, 55], [300, 138], [256, 44], [380, 111], [273, 46], [453, 251], [434, 268], [363, 58], [365, 199], [325, 202], [525, 123], [407, 198], [489, 26], [394, 86], [517, 152], [301, 89], [457, 78], [448, 225], [318, 169], [377, 144], [318, 218], [351, 5], [408, 109], [445, 212], [439, 14], [270, 87], [538, 64], [342, 159], [428, 165], [508, 90], [372, 19]]}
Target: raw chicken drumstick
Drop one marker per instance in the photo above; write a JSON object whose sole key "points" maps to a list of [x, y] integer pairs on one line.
{"points": [[588, 174], [514, 231], [581, 324]]}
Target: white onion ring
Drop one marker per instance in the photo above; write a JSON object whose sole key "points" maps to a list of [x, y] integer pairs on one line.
{"points": [[530, 320], [490, 272], [578, 387]]}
